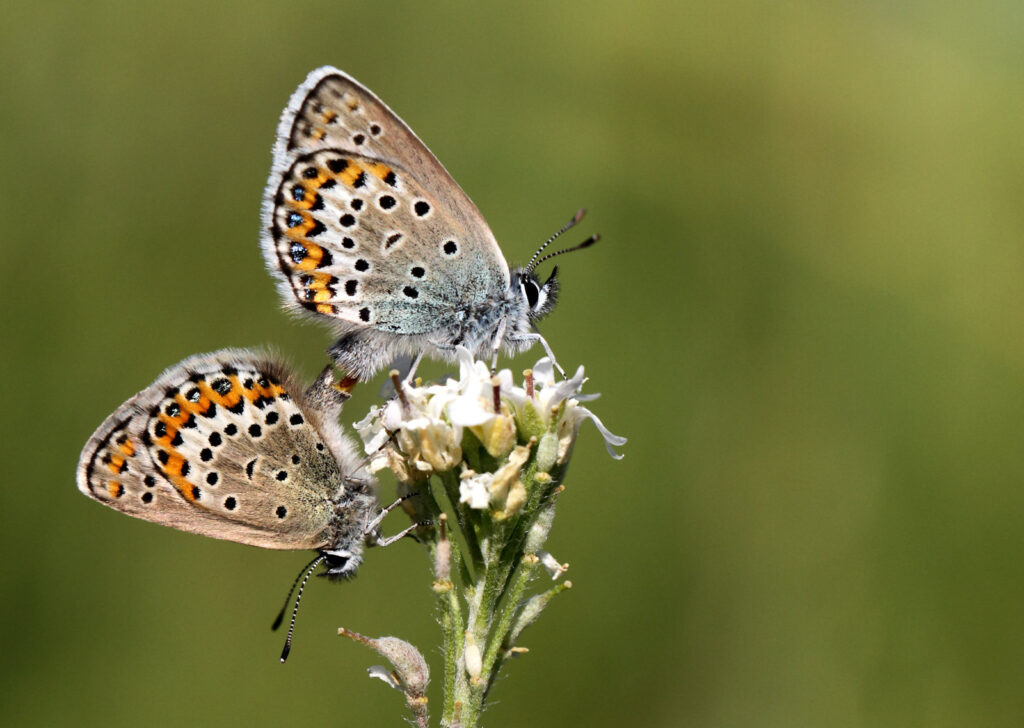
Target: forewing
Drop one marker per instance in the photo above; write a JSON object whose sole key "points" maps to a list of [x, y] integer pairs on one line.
{"points": [[219, 445], [364, 241], [331, 110]]}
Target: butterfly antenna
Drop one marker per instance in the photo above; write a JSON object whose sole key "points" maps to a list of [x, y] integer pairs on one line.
{"points": [[572, 223], [307, 571], [585, 244], [288, 599]]}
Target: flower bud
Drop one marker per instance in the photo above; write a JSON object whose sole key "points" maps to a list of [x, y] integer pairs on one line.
{"points": [[547, 452], [411, 673], [473, 659]]}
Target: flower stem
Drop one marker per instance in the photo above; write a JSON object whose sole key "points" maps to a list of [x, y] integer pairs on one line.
{"points": [[494, 596]]}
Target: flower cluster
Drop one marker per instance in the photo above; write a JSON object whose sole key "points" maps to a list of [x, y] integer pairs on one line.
{"points": [[423, 430]]}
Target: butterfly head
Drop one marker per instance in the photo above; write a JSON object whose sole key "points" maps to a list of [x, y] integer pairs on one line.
{"points": [[538, 298], [358, 527]]}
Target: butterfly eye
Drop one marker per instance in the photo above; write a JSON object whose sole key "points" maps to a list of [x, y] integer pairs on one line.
{"points": [[531, 291], [336, 562], [541, 298], [341, 563]]}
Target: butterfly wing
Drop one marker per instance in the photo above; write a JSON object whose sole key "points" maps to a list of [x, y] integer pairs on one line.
{"points": [[365, 243], [363, 224], [223, 445]]}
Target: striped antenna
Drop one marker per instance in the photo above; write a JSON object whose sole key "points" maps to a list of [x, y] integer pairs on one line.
{"points": [[572, 223], [304, 575]]}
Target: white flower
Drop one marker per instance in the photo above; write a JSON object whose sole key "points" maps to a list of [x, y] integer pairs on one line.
{"points": [[547, 401], [508, 494], [371, 430], [475, 406], [550, 563], [502, 491], [425, 424], [426, 441], [475, 489]]}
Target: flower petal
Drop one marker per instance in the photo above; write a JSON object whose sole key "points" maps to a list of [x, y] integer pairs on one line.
{"points": [[475, 491], [468, 412], [609, 438], [382, 673], [567, 386], [544, 372], [549, 562]]}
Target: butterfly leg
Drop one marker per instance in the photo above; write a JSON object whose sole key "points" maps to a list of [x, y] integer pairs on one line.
{"points": [[402, 534], [415, 365], [535, 336], [499, 336], [372, 525]]}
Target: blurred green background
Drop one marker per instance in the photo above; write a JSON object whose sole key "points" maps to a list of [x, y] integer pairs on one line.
{"points": [[805, 313]]}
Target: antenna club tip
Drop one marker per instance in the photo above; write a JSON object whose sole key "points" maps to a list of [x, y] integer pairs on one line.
{"points": [[591, 240], [277, 622], [579, 215], [284, 653]]}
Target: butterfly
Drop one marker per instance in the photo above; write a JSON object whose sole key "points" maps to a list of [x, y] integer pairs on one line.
{"points": [[363, 226], [229, 445]]}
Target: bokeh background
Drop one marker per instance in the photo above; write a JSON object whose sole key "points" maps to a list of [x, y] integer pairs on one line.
{"points": [[805, 313]]}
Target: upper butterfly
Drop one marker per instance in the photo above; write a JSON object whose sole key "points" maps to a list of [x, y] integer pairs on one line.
{"points": [[362, 224]]}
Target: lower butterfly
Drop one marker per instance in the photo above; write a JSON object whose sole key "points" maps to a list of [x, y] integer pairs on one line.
{"points": [[228, 445]]}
